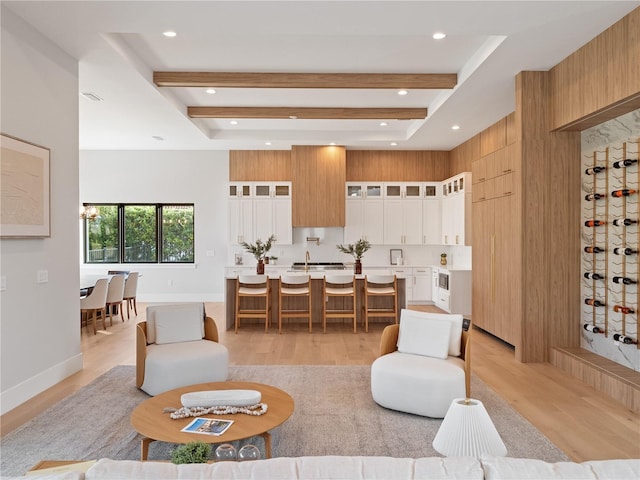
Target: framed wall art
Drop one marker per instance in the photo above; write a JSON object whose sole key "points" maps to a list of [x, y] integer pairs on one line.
{"points": [[25, 189]]}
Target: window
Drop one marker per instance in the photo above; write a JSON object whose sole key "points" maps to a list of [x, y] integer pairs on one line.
{"points": [[140, 233]]}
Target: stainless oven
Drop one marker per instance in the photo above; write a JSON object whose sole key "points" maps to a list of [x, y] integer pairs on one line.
{"points": [[443, 280]]}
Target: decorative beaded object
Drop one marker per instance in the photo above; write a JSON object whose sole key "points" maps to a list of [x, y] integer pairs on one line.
{"points": [[183, 412]]}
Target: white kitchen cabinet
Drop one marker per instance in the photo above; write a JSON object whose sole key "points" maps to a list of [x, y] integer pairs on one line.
{"points": [[432, 221], [364, 213], [421, 285], [265, 211], [456, 210], [403, 214], [240, 213], [434, 285], [457, 299], [407, 274], [443, 300]]}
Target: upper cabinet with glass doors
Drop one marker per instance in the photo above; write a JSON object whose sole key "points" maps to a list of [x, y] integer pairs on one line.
{"points": [[363, 212]]}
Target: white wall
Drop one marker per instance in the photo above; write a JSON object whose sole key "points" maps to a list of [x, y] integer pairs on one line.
{"points": [[198, 177], [39, 334]]}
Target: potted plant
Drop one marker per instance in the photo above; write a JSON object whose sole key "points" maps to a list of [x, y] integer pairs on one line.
{"points": [[259, 251], [356, 250], [192, 452]]}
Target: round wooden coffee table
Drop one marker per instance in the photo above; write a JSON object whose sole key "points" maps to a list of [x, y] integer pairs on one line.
{"points": [[149, 420]]}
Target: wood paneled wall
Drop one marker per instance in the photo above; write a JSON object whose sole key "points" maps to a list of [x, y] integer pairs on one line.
{"points": [[463, 156], [601, 80], [551, 219], [260, 165], [318, 178], [397, 166]]}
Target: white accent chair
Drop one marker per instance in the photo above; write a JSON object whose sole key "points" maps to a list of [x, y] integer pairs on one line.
{"points": [[424, 364], [178, 346]]}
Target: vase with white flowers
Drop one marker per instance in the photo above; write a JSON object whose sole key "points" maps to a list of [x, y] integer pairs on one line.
{"points": [[356, 250], [259, 250]]}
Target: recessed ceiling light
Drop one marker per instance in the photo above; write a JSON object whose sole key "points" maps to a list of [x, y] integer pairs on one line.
{"points": [[91, 96], [293, 117], [210, 91], [393, 144], [383, 124], [455, 127], [169, 33], [333, 144], [267, 143], [439, 35], [233, 122], [402, 92], [158, 138]]}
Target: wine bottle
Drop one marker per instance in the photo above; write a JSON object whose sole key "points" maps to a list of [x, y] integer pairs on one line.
{"points": [[624, 251], [593, 223], [593, 196], [594, 170], [624, 222], [625, 192], [623, 309], [593, 302], [593, 276], [593, 249], [592, 328], [625, 280], [618, 337], [624, 163]]}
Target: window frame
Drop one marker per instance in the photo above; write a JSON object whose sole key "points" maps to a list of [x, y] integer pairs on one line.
{"points": [[121, 233]]}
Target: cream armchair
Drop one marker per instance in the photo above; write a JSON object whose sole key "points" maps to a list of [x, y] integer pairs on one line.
{"points": [[178, 346], [424, 364]]}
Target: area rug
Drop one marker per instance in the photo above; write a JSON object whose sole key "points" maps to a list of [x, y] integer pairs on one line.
{"points": [[334, 415]]}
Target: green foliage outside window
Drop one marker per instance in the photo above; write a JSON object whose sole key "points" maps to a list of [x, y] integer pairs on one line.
{"points": [[140, 234]]}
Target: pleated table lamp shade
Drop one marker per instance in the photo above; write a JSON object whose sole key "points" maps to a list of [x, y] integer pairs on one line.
{"points": [[467, 431]]}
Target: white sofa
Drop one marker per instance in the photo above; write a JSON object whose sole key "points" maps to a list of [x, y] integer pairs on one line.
{"points": [[335, 467]]}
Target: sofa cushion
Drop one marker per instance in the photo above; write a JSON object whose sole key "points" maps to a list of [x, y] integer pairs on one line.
{"points": [[496, 468], [174, 365], [422, 335], [456, 326], [182, 312]]}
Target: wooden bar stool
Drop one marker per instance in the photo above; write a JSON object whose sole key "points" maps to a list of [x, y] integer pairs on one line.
{"points": [[255, 289], [376, 288], [296, 288], [342, 286]]}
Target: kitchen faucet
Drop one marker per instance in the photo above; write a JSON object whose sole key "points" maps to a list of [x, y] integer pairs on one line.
{"points": [[307, 257]]}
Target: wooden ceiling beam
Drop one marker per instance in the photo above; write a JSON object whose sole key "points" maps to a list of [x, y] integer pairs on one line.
{"points": [[306, 80], [309, 113]]}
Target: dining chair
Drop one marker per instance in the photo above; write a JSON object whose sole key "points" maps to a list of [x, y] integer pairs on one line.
{"points": [[380, 298], [130, 292], [115, 296], [252, 298], [342, 289], [294, 289], [93, 302]]}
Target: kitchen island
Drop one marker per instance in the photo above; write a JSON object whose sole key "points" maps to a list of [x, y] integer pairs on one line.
{"points": [[317, 278]]}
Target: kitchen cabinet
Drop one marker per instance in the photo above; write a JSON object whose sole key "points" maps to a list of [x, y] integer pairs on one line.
{"points": [[421, 285], [364, 213], [407, 274], [240, 208], [458, 297], [402, 214], [456, 210], [434, 285], [431, 214], [259, 210], [272, 211]]}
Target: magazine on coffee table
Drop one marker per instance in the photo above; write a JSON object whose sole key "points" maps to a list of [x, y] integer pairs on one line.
{"points": [[208, 426]]}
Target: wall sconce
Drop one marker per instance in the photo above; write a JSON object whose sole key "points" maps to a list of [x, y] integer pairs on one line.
{"points": [[314, 239], [88, 212]]}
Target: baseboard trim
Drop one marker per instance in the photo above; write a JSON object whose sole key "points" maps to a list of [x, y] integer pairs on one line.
{"points": [[17, 395], [620, 383]]}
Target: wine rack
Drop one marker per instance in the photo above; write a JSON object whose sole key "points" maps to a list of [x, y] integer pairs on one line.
{"points": [[610, 274]]}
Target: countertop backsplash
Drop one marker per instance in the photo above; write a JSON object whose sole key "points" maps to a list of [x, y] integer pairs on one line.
{"points": [[378, 255]]}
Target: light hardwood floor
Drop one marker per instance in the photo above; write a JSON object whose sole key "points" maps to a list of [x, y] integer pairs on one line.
{"points": [[582, 422]]}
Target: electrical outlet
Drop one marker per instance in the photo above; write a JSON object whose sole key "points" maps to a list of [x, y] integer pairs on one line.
{"points": [[43, 276], [211, 253]]}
